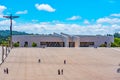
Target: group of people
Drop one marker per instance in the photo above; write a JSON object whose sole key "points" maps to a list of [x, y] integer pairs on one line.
{"points": [[60, 72], [6, 70]]}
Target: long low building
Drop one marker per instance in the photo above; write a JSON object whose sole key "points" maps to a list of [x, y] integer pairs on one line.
{"points": [[62, 40]]}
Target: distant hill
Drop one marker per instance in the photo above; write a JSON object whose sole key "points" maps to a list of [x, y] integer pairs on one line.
{"points": [[4, 34], [117, 35]]}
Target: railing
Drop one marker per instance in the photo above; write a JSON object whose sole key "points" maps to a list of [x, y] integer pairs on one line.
{"points": [[4, 51]]}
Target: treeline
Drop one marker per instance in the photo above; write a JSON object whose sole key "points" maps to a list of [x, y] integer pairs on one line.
{"points": [[5, 34], [116, 40], [117, 35]]}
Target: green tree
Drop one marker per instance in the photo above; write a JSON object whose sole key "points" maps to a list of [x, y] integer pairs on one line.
{"points": [[4, 43], [103, 45], [116, 42]]}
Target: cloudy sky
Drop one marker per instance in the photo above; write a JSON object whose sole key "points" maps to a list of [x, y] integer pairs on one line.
{"points": [[83, 17]]}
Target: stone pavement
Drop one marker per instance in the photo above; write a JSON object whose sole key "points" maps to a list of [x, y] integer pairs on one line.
{"points": [[81, 64]]}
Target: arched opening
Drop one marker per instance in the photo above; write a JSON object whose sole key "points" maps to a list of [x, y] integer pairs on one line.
{"points": [[26, 44], [105, 44], [18, 42]]}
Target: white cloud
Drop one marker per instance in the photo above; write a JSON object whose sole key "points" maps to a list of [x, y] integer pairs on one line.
{"points": [[44, 7], [56, 26], [74, 18], [7, 22], [22, 12], [109, 20], [115, 15], [86, 22], [48, 28], [2, 8]]}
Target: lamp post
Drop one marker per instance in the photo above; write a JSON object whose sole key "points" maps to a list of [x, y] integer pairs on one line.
{"points": [[11, 18]]}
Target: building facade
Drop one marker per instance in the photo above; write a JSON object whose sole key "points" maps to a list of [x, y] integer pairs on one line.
{"points": [[62, 40]]}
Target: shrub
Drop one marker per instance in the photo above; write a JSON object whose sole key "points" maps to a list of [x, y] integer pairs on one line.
{"points": [[103, 45], [34, 44], [16, 44], [114, 45]]}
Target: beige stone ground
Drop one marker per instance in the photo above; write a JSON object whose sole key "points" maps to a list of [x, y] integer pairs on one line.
{"points": [[82, 64]]}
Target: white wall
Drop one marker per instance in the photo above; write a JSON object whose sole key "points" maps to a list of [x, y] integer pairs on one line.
{"points": [[37, 39], [98, 40]]}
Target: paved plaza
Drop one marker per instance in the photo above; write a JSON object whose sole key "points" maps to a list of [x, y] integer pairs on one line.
{"points": [[81, 64]]}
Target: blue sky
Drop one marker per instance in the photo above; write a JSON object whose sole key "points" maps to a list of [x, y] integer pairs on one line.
{"points": [[83, 17]]}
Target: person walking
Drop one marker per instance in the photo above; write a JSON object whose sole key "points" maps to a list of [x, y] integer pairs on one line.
{"points": [[58, 71], [39, 60], [62, 71], [64, 61], [7, 70]]}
